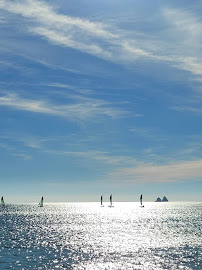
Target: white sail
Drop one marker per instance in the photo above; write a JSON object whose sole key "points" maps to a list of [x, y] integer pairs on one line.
{"points": [[2, 201], [101, 199], [110, 199], [41, 202], [141, 201]]}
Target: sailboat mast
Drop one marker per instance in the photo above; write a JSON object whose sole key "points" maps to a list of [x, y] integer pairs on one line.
{"points": [[2, 201], [42, 201], [141, 199]]}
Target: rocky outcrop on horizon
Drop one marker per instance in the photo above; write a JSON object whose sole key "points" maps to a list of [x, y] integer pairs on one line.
{"points": [[163, 200], [158, 200]]}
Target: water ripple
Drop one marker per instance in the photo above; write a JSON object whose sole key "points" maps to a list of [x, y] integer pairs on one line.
{"points": [[86, 236]]}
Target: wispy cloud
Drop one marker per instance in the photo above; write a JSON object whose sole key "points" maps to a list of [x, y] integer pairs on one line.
{"points": [[31, 142], [100, 156], [182, 108], [109, 42], [187, 26], [42, 62], [185, 33], [148, 133], [22, 155], [91, 37], [80, 109], [50, 146], [172, 172], [67, 86], [12, 151], [8, 64], [60, 29], [22, 145]]}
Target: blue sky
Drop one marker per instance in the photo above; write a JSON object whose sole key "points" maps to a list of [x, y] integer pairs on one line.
{"points": [[100, 97]]}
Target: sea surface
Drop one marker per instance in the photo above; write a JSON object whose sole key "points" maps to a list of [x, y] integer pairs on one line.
{"points": [[87, 236]]}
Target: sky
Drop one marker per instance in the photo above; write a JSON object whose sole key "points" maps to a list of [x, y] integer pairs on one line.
{"points": [[100, 97]]}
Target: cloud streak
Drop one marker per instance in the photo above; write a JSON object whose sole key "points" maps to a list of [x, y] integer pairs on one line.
{"points": [[12, 151], [197, 111], [100, 156], [107, 42], [172, 172], [80, 109]]}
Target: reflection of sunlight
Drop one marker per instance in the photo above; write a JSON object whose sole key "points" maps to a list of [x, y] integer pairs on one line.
{"points": [[87, 236]]}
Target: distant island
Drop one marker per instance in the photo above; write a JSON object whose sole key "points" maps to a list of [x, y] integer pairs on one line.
{"points": [[163, 200], [158, 200]]}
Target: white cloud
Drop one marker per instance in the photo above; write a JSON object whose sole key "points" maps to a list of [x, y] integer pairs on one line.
{"points": [[61, 29], [30, 142], [148, 133], [6, 50], [22, 155], [8, 64], [77, 33], [14, 152], [187, 26], [67, 86], [113, 44], [172, 172], [188, 109], [44, 13], [185, 35], [63, 39], [82, 109], [100, 156], [191, 64]]}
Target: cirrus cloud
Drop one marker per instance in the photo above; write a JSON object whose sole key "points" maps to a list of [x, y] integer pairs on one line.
{"points": [[110, 43], [80, 109], [172, 172]]}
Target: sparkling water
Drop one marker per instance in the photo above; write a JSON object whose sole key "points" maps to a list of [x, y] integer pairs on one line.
{"points": [[87, 236]]}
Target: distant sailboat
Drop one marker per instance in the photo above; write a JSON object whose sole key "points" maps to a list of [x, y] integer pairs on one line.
{"points": [[41, 202], [141, 201], [101, 202], [2, 202], [110, 199]]}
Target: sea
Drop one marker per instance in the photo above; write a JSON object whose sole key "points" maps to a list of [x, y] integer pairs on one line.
{"points": [[164, 235]]}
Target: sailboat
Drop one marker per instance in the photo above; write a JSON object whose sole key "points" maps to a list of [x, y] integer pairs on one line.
{"points": [[101, 202], [41, 202], [110, 198], [141, 201], [2, 201]]}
